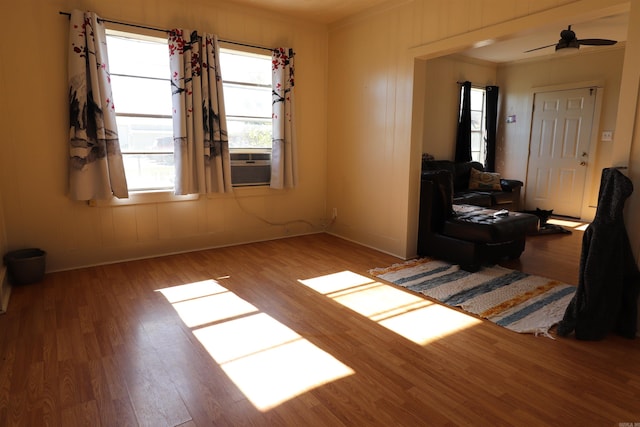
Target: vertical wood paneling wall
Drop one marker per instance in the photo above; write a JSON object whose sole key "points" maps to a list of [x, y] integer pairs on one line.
{"points": [[373, 162], [4, 283], [33, 145], [358, 147]]}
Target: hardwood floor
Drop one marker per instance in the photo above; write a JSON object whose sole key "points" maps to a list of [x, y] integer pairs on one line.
{"points": [[556, 256], [293, 332]]}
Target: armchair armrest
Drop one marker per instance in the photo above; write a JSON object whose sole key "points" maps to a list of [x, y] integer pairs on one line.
{"points": [[510, 184]]}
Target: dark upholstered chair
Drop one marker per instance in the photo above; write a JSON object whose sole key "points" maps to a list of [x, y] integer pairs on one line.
{"points": [[508, 197], [467, 235]]}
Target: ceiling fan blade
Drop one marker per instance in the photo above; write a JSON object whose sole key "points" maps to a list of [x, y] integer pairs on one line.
{"points": [[538, 48], [597, 42]]}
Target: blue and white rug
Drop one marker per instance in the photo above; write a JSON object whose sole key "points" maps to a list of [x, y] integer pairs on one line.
{"points": [[518, 301]]}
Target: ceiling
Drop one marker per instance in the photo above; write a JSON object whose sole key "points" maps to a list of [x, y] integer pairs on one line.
{"points": [[507, 50], [321, 11], [513, 48]]}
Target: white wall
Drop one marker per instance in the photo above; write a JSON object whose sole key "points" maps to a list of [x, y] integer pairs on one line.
{"points": [[34, 119]]}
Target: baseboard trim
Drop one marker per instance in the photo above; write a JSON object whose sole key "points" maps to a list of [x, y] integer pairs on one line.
{"points": [[163, 254]]}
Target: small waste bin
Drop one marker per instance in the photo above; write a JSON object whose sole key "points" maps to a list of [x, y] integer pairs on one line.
{"points": [[25, 266]]}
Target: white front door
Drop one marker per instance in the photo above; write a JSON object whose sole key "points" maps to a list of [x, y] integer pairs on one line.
{"points": [[558, 150]]}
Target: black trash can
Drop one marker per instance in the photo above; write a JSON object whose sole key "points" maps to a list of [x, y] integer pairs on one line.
{"points": [[25, 266]]}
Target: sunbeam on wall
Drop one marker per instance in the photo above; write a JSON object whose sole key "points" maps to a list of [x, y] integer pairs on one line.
{"points": [[267, 361], [408, 315]]}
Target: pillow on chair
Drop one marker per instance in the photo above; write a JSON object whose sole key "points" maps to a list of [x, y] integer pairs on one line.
{"points": [[484, 180]]}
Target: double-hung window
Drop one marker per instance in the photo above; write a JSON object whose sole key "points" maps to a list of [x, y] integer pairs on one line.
{"points": [[139, 67], [246, 81], [478, 132], [140, 79]]}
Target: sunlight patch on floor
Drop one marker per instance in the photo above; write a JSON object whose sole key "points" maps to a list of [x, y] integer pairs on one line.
{"points": [[576, 225], [269, 362], [400, 311], [205, 302]]}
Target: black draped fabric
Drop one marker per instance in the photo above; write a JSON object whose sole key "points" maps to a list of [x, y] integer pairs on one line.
{"points": [[607, 296], [490, 126], [463, 139]]}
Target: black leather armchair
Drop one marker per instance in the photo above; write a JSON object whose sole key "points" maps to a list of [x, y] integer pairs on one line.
{"points": [[508, 197], [467, 235]]}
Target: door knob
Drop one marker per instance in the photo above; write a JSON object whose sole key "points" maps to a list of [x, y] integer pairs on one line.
{"points": [[584, 154], [583, 163]]}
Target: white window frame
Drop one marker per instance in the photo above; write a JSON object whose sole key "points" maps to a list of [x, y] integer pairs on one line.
{"points": [[480, 154], [256, 160], [144, 195]]}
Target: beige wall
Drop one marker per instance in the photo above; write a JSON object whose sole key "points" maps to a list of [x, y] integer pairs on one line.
{"points": [[375, 141], [442, 95], [5, 291], [519, 81], [370, 95], [33, 147], [364, 162]]}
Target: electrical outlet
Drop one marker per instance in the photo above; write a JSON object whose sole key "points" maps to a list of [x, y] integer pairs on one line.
{"points": [[334, 213]]}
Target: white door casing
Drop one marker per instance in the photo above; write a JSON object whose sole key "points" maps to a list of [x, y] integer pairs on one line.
{"points": [[559, 150]]}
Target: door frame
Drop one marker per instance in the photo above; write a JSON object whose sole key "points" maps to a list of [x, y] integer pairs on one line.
{"points": [[591, 183]]}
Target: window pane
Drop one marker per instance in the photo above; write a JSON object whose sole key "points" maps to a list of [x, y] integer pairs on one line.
{"points": [[131, 56], [247, 101], [476, 120], [145, 134], [247, 105], [476, 141], [134, 95], [249, 133], [245, 68], [149, 171], [477, 99]]}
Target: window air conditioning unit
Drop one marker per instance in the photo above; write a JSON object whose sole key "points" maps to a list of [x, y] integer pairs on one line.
{"points": [[250, 168]]}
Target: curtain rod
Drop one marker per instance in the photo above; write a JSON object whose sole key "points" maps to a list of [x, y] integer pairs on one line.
{"points": [[145, 27], [473, 85]]}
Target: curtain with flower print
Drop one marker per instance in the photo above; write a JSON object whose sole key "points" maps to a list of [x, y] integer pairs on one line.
{"points": [[96, 169], [284, 170], [201, 145]]}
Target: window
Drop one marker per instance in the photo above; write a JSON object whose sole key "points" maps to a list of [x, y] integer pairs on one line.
{"points": [[139, 67], [246, 81], [478, 133], [140, 79]]}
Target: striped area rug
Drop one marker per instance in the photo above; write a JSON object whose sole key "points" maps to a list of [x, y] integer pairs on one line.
{"points": [[518, 301]]}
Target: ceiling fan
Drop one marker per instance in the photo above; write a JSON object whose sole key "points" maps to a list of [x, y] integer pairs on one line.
{"points": [[568, 40]]}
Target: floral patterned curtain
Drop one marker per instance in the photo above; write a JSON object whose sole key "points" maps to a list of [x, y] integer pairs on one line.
{"points": [[201, 145], [284, 170], [96, 170]]}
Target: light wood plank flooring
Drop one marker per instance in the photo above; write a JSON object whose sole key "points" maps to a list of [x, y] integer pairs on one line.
{"points": [[293, 332]]}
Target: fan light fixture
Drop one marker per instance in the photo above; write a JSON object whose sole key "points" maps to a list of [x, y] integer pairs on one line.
{"points": [[569, 42]]}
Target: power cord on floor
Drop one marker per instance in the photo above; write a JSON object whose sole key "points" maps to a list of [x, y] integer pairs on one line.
{"points": [[280, 224]]}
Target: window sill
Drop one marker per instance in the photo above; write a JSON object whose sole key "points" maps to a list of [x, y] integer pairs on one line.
{"points": [[144, 197]]}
